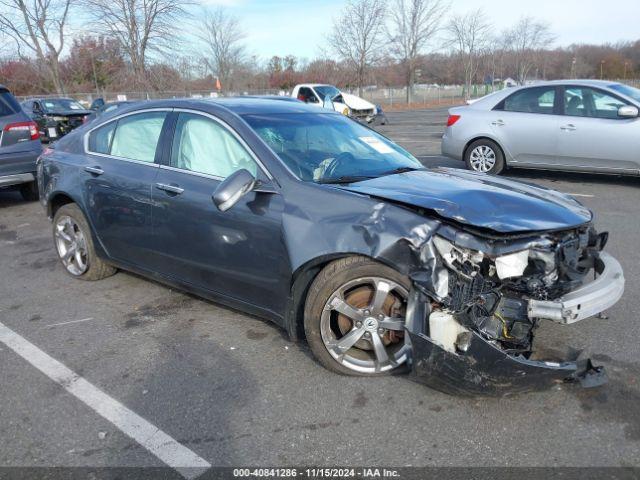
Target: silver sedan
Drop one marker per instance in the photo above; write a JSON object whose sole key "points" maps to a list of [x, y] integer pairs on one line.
{"points": [[576, 125]]}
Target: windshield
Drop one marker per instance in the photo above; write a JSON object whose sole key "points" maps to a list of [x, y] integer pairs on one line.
{"points": [[329, 148], [61, 104], [626, 90], [324, 90]]}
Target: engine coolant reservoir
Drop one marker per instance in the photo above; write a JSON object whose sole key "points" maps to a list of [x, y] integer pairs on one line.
{"points": [[444, 329]]}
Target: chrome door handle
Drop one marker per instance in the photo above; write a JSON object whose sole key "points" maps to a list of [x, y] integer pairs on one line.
{"points": [[94, 170], [170, 188], [568, 128], [498, 123]]}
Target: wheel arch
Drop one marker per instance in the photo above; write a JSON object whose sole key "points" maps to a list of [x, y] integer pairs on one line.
{"points": [[485, 137], [301, 280], [57, 200]]}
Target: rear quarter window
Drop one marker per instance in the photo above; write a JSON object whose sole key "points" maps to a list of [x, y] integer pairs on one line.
{"points": [[100, 138]]}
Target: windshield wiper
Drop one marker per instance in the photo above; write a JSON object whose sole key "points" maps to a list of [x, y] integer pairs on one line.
{"points": [[401, 170], [345, 179]]}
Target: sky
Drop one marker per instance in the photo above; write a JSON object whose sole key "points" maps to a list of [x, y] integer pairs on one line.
{"points": [[300, 27]]}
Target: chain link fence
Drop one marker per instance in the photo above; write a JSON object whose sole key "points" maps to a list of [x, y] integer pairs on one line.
{"points": [[387, 97]]}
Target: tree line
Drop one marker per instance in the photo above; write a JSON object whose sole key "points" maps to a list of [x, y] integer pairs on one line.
{"points": [[139, 45]]}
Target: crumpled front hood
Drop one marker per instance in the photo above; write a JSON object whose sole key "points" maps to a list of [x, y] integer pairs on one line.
{"points": [[356, 103], [479, 200]]}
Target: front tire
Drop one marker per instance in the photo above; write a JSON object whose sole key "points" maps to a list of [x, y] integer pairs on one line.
{"points": [[354, 317], [484, 156], [74, 244]]}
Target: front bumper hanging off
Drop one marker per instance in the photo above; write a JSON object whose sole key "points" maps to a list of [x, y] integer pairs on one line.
{"points": [[484, 369]]}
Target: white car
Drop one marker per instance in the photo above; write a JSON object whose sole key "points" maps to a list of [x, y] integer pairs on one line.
{"points": [[329, 96]]}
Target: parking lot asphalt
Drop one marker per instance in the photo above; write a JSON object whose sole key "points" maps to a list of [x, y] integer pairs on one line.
{"points": [[234, 390]]}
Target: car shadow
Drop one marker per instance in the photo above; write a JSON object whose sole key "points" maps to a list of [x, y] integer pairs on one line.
{"points": [[10, 197]]}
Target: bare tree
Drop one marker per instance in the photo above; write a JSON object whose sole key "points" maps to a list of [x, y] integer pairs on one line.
{"points": [[525, 41], [222, 37], [140, 26], [469, 36], [414, 23], [358, 34], [39, 26]]}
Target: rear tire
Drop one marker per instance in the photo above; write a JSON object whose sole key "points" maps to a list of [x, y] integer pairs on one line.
{"points": [[74, 244], [354, 317], [484, 156], [29, 191]]}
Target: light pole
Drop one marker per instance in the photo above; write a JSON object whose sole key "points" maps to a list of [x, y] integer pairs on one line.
{"points": [[601, 69], [573, 68]]}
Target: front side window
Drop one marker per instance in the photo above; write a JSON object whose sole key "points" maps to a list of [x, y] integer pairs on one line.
{"points": [[590, 102], [330, 148], [531, 100], [306, 95], [136, 136], [202, 145]]}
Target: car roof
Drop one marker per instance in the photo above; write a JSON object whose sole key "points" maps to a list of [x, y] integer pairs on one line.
{"points": [[575, 81], [237, 105]]}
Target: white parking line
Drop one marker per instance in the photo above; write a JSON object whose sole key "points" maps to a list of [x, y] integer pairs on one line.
{"points": [[69, 322], [174, 454]]}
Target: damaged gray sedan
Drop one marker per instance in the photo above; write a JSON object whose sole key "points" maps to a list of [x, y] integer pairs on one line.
{"points": [[332, 231]]}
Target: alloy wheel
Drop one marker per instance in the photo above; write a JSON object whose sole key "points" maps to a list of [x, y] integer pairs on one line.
{"points": [[362, 325], [482, 158], [71, 245]]}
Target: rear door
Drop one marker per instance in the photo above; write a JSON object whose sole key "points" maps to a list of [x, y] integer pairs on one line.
{"points": [[593, 137], [120, 168], [526, 125]]}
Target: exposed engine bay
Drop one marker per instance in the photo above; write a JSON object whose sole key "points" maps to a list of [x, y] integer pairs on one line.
{"points": [[485, 305], [490, 295]]}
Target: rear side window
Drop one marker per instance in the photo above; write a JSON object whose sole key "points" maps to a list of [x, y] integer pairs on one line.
{"points": [[531, 100], [134, 137], [8, 104], [100, 138]]}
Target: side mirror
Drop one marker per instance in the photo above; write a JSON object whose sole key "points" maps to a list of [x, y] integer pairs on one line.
{"points": [[232, 189], [628, 111]]}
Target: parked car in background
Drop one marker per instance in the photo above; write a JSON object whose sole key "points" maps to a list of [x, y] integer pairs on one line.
{"points": [[345, 103], [106, 108], [19, 147], [55, 116], [573, 125], [318, 223]]}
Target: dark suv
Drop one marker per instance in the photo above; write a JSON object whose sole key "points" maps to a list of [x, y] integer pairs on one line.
{"points": [[19, 147], [55, 116]]}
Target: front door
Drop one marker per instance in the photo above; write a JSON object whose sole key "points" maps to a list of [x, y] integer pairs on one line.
{"points": [[119, 172], [526, 125], [593, 137], [239, 253]]}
